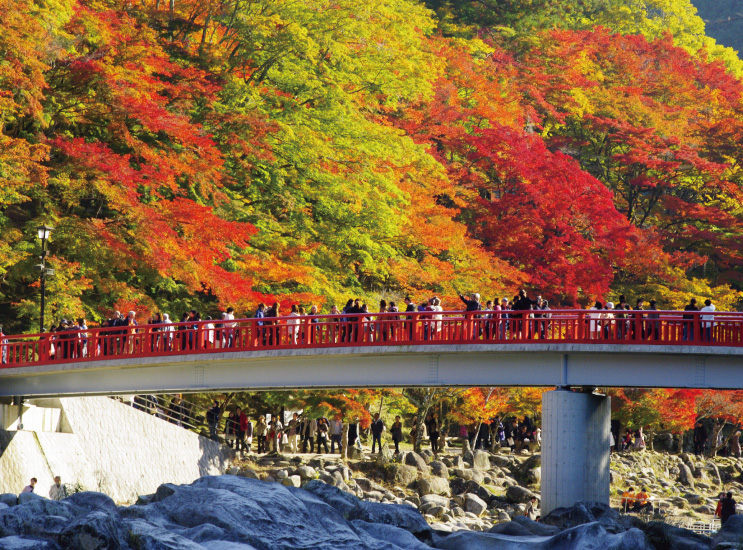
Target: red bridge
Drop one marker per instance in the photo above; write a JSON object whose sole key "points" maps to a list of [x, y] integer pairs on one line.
{"points": [[558, 347], [570, 349]]}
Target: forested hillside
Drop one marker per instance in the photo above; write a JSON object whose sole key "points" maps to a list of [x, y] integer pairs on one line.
{"points": [[206, 153], [724, 21]]}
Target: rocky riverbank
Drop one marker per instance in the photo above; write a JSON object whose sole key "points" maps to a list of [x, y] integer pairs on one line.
{"points": [[465, 490], [458, 501]]}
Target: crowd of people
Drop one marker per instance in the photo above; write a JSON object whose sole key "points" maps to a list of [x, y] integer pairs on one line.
{"points": [[306, 432], [499, 319]]}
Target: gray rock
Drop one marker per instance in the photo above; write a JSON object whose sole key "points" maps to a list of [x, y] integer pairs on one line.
{"points": [[9, 498], [248, 472], [468, 457], [146, 536], [24, 543], [481, 460], [397, 515], [685, 476], [428, 456], [399, 537], [32, 518], [92, 501], [585, 512], [416, 460], [292, 481], [434, 485], [588, 536], [536, 528], [730, 535], [511, 528], [519, 495], [474, 504], [94, 531], [27, 497], [501, 461], [368, 485], [436, 500], [307, 472], [401, 474], [664, 536], [440, 469], [460, 486], [437, 511], [351, 508]]}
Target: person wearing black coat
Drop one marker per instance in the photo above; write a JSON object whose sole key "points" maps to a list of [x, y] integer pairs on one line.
{"points": [[728, 508]]}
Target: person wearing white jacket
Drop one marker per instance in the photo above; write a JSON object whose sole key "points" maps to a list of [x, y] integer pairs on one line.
{"points": [[707, 319]]}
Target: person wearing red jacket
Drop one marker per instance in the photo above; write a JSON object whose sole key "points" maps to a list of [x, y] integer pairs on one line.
{"points": [[242, 427]]}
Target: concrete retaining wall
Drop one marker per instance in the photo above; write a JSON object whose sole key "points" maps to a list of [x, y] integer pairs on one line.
{"points": [[111, 448]]}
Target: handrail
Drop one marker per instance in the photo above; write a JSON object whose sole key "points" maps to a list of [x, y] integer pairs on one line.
{"points": [[653, 327]]}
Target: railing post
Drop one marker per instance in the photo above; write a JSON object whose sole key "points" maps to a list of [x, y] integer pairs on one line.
{"points": [[580, 332], [697, 325]]}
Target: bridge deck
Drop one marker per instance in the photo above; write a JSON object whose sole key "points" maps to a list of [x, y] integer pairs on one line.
{"points": [[389, 350]]}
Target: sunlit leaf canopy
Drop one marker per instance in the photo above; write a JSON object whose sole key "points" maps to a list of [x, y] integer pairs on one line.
{"points": [[206, 154]]}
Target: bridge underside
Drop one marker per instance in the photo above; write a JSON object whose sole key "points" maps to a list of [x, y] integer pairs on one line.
{"points": [[403, 366]]}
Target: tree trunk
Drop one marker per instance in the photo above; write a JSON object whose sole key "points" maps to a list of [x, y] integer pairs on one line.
{"points": [[344, 442]]}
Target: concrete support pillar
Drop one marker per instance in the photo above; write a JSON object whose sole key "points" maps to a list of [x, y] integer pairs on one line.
{"points": [[576, 437]]}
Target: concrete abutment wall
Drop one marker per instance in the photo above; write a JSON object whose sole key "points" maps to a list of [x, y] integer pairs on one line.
{"points": [[108, 447]]}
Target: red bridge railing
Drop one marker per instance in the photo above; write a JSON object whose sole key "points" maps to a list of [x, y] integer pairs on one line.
{"points": [[679, 328]]}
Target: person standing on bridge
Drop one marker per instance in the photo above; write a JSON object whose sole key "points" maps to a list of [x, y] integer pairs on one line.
{"points": [[688, 320], [3, 347], [707, 320], [260, 314], [410, 307]]}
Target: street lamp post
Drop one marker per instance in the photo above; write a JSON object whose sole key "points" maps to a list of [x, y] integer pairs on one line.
{"points": [[43, 231]]}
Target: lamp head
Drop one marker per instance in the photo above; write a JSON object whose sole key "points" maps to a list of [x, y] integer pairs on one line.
{"points": [[44, 231]]}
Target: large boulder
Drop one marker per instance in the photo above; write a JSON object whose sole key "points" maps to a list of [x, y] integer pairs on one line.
{"points": [[537, 528], [439, 469], [586, 512], [343, 502], [398, 515], [588, 536], [686, 476], [94, 531], [417, 461], [37, 517], [460, 486], [519, 495], [400, 474], [401, 516], [474, 504], [26, 543], [669, 537], [9, 498], [92, 501], [730, 535], [481, 460], [398, 537], [434, 485]]}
